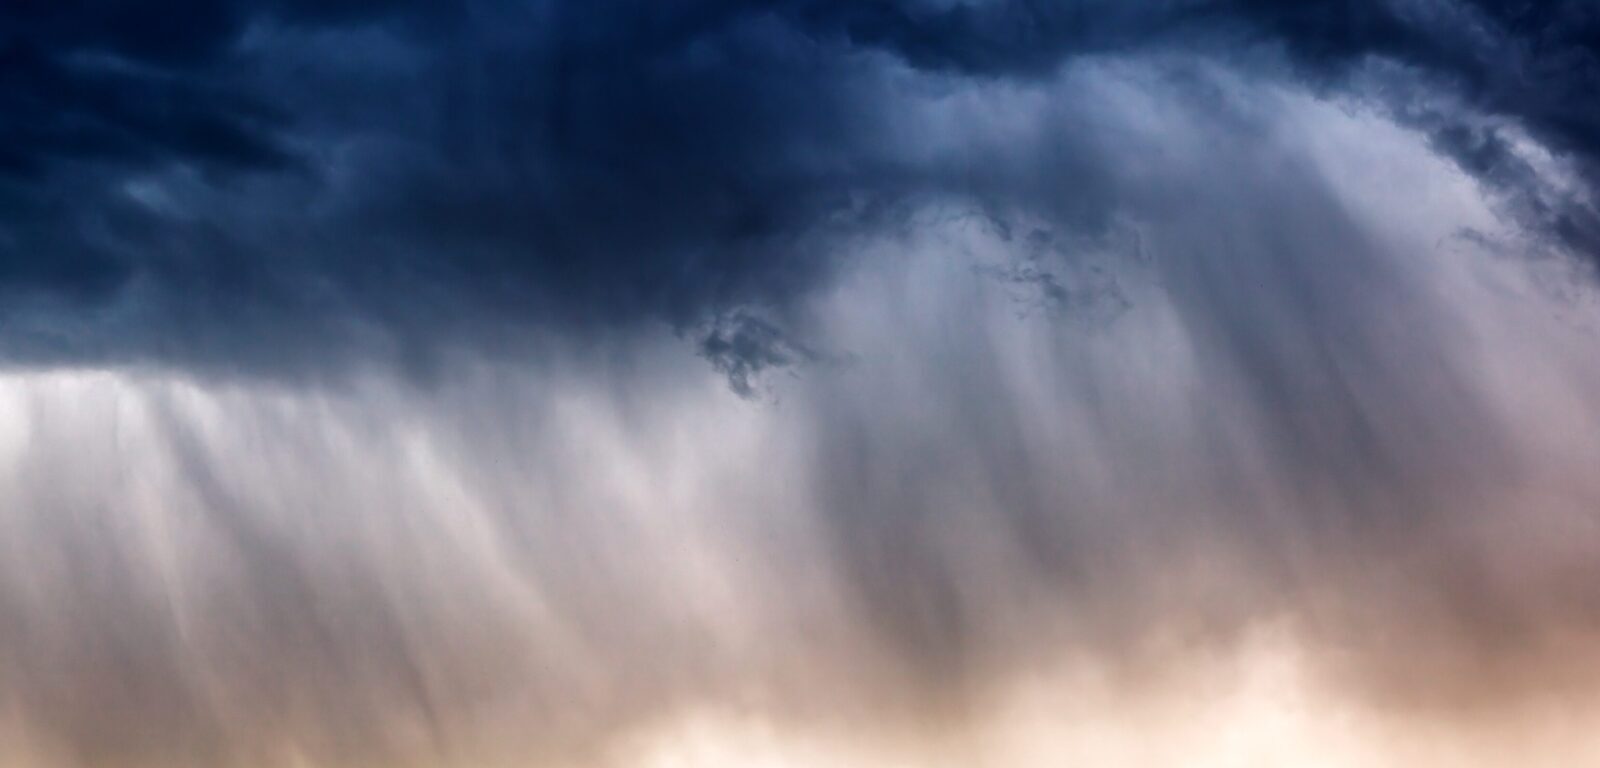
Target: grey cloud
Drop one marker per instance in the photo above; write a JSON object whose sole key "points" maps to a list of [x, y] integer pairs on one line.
{"points": [[1271, 385], [286, 185], [1289, 423]]}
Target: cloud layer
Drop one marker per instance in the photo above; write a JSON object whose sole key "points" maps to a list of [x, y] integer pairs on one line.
{"points": [[281, 185], [1283, 422], [824, 383]]}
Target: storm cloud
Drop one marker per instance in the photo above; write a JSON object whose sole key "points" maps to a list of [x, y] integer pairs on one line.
{"points": [[265, 186], [900, 382]]}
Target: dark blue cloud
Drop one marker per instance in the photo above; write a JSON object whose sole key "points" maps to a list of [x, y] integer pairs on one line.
{"points": [[455, 172]]}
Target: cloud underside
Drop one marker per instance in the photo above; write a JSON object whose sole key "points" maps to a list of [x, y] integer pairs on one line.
{"points": [[824, 383], [1289, 428]]}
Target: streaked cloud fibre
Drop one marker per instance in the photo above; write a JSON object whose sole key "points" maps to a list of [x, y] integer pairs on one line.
{"points": [[799, 383]]}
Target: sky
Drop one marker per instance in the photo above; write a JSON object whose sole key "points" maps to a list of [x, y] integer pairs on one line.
{"points": [[799, 383]]}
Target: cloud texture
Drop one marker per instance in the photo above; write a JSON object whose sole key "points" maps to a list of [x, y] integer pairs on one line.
{"points": [[307, 180], [817, 383]]}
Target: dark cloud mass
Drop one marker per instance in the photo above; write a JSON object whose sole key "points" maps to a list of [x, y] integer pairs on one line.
{"points": [[642, 383], [191, 181]]}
